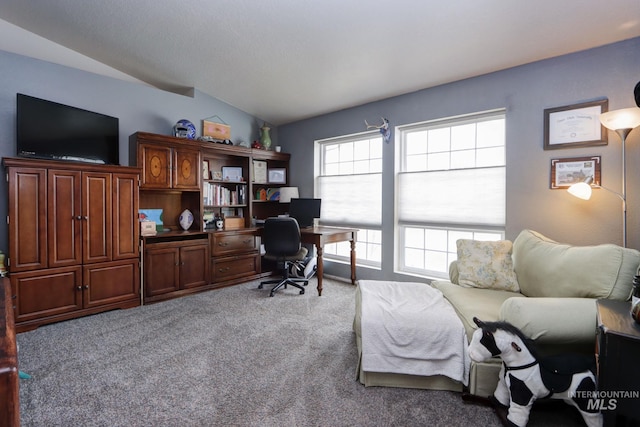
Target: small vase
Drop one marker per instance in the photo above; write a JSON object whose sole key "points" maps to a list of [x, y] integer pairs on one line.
{"points": [[186, 219], [265, 139]]}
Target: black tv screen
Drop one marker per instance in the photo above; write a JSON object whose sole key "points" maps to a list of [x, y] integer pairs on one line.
{"points": [[48, 130]]}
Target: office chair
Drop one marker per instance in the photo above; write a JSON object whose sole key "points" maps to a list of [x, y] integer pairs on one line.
{"points": [[281, 238]]}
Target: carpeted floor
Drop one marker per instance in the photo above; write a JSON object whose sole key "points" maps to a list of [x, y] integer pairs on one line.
{"points": [[229, 357]]}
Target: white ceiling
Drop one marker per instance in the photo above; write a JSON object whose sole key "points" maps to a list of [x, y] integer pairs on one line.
{"points": [[285, 60]]}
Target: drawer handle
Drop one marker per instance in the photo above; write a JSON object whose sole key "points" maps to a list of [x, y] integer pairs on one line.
{"points": [[247, 241], [223, 244], [222, 270]]}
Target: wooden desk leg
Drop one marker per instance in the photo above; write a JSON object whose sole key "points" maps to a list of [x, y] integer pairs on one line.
{"points": [[353, 261], [320, 270]]}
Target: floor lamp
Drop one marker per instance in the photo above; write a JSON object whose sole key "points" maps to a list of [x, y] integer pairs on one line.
{"points": [[622, 122]]}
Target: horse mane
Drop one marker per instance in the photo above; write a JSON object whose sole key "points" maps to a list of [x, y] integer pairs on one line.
{"points": [[508, 327]]}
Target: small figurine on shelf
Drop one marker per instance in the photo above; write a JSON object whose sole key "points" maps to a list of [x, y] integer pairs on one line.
{"points": [[256, 144], [219, 223]]}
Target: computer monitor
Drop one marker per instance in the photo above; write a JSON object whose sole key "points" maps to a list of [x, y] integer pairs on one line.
{"points": [[304, 211]]}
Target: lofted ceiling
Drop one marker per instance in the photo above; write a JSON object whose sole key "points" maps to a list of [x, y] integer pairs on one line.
{"points": [[286, 60]]}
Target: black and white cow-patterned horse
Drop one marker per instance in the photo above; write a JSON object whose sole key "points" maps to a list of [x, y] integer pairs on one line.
{"points": [[524, 377]]}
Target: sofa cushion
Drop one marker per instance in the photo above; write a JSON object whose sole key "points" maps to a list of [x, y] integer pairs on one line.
{"points": [[469, 302], [570, 321], [546, 268], [486, 264]]}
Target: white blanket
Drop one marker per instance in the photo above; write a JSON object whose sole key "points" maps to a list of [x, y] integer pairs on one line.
{"points": [[410, 328]]}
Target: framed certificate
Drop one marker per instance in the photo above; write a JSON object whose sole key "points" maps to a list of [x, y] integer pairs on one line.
{"points": [[566, 172], [232, 173], [259, 172], [576, 125], [277, 176]]}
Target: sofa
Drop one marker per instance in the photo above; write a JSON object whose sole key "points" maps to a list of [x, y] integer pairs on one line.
{"points": [[545, 288]]}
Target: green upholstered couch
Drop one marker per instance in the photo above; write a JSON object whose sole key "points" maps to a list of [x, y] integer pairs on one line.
{"points": [[559, 285]]}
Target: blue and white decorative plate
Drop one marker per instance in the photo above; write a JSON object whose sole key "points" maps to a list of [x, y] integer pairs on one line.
{"points": [[184, 129]]}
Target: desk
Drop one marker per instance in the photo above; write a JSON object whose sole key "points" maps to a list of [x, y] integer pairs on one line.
{"points": [[320, 235]]}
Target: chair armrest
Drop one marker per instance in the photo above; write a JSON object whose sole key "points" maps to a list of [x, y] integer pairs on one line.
{"points": [[553, 320]]}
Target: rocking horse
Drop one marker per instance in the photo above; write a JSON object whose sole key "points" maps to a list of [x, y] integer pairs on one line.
{"points": [[524, 377]]}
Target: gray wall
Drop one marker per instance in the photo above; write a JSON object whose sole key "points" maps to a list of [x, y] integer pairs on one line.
{"points": [[139, 107], [610, 71]]}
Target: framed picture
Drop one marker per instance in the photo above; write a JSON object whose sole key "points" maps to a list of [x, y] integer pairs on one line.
{"points": [[232, 173], [566, 172], [277, 176], [216, 175], [259, 172], [205, 169], [576, 125]]}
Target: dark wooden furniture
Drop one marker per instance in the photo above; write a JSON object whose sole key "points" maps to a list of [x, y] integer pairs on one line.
{"points": [[9, 374], [175, 264], [263, 209], [234, 256], [73, 239], [178, 262], [618, 352], [320, 235]]}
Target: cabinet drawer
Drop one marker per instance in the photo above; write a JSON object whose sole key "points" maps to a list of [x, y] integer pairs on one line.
{"points": [[234, 267], [229, 243]]}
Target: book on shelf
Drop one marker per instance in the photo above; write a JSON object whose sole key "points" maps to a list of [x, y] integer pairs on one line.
{"points": [[224, 194]]}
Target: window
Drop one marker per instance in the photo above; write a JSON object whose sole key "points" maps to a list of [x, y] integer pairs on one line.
{"points": [[450, 185], [349, 182]]}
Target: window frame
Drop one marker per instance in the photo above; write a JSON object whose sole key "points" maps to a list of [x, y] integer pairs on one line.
{"points": [[400, 226], [363, 226]]}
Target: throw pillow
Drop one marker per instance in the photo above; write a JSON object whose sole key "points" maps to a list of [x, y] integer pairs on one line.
{"points": [[486, 265]]}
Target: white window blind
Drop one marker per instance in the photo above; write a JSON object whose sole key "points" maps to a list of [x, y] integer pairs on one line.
{"points": [[351, 200], [465, 196]]}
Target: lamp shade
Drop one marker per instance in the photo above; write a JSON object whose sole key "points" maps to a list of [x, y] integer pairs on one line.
{"points": [[626, 118], [288, 193], [581, 190]]}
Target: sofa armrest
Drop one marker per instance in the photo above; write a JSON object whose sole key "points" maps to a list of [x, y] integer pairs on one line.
{"points": [[553, 320]]}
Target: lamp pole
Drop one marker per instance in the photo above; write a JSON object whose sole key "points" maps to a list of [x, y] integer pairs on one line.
{"points": [[623, 133], [622, 122]]}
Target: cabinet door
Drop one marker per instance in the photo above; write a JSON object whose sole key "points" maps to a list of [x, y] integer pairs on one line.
{"points": [[194, 266], [28, 224], [161, 271], [126, 228], [186, 169], [96, 213], [111, 282], [155, 161], [45, 293], [64, 218]]}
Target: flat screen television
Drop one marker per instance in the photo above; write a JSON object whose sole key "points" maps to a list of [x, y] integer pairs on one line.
{"points": [[48, 130], [304, 211]]}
